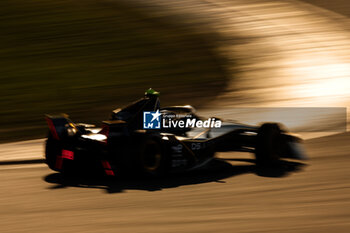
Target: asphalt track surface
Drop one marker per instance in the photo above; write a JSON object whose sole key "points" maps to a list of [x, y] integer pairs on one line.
{"points": [[231, 195]]}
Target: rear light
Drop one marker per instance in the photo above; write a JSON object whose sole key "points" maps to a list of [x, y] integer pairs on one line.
{"points": [[67, 154], [107, 167]]}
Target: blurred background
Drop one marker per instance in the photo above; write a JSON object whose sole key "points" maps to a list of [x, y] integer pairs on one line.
{"points": [[85, 58]]}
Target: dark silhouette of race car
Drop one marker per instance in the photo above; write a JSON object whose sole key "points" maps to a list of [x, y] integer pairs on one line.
{"points": [[144, 138]]}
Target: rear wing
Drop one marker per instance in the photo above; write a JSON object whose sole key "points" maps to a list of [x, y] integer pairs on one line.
{"points": [[61, 126]]}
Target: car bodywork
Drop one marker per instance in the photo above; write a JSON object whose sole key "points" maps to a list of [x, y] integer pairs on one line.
{"points": [[122, 146]]}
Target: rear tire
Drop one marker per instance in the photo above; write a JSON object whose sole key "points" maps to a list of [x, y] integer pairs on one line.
{"points": [[151, 158], [53, 148], [53, 153]]}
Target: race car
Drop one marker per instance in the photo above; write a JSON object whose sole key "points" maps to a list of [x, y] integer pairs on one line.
{"points": [[144, 138]]}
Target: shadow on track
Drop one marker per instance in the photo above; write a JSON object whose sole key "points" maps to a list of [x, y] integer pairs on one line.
{"points": [[216, 171]]}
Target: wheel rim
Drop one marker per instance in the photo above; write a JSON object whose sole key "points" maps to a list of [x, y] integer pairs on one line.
{"points": [[152, 157]]}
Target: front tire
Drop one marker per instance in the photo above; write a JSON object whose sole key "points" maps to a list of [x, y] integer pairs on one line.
{"points": [[268, 145]]}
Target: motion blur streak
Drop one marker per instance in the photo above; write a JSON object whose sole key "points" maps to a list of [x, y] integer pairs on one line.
{"points": [[279, 54], [282, 53], [294, 56], [73, 56], [239, 53]]}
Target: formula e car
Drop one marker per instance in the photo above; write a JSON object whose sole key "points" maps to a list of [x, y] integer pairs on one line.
{"points": [[144, 138]]}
